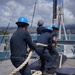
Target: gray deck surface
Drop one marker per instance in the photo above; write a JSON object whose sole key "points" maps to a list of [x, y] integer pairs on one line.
{"points": [[70, 63], [6, 66]]}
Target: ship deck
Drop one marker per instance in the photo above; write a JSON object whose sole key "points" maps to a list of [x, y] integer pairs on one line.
{"points": [[6, 66]]}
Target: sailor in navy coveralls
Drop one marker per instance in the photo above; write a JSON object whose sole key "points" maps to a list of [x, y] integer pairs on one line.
{"points": [[46, 59], [53, 51], [40, 28], [18, 45]]}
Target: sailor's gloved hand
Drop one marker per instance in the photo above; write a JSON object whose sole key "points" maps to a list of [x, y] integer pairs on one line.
{"points": [[28, 50], [54, 45]]}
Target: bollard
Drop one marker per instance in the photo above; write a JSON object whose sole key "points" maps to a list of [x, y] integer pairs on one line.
{"points": [[65, 71]]}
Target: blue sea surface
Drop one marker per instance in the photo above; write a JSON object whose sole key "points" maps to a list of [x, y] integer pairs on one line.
{"points": [[6, 54], [34, 37], [2, 38], [72, 37]]}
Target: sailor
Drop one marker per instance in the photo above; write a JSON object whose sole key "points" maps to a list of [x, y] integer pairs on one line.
{"points": [[18, 45], [40, 28], [53, 51], [46, 59]]}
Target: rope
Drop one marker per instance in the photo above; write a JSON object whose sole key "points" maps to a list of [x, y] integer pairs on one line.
{"points": [[40, 44], [25, 62], [60, 61], [22, 65], [34, 72], [45, 45], [37, 73], [30, 54]]}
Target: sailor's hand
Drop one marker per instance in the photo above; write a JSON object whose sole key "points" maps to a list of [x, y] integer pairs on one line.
{"points": [[28, 50], [53, 45], [37, 44]]}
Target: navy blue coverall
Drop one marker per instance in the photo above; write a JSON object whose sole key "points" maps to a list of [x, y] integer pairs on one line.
{"points": [[40, 29], [46, 58], [53, 51], [18, 46]]}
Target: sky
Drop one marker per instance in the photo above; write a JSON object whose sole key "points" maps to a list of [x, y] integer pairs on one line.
{"points": [[13, 9]]}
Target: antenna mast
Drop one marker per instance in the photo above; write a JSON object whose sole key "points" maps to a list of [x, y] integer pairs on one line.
{"points": [[61, 20], [54, 11]]}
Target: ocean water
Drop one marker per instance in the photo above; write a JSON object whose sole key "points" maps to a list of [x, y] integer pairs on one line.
{"points": [[72, 37], [3, 38], [34, 37], [5, 54]]}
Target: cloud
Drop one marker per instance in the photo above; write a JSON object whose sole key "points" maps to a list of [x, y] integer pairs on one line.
{"points": [[69, 11], [44, 10], [11, 10], [69, 17], [16, 8]]}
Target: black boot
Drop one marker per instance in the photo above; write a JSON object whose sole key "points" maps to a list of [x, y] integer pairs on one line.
{"points": [[44, 72], [42, 68], [50, 71]]}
